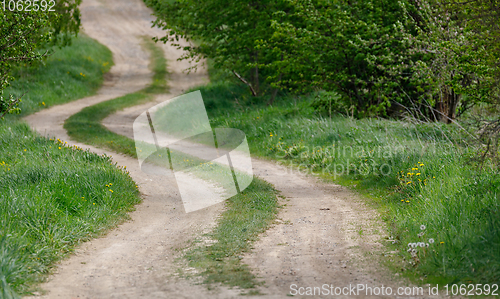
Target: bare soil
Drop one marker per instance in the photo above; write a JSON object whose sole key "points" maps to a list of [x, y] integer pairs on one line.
{"points": [[325, 234]]}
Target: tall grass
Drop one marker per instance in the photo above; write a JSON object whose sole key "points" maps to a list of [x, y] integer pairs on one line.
{"points": [[416, 174]]}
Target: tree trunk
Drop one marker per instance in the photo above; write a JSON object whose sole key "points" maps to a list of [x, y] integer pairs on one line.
{"points": [[256, 80], [273, 95], [447, 105]]}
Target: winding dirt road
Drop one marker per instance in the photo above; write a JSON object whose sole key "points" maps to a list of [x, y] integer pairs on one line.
{"points": [[315, 241]]}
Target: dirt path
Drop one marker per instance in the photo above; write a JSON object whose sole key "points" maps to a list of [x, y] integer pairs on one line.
{"points": [[316, 241]]}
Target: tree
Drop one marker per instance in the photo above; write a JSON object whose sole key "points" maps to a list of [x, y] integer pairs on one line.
{"points": [[224, 31], [25, 35], [357, 48], [453, 62]]}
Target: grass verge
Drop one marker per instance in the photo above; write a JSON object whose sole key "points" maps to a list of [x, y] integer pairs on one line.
{"points": [[53, 197], [414, 173], [69, 74]]}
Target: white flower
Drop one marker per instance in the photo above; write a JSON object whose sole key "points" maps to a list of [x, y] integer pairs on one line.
{"points": [[427, 244], [409, 244], [422, 227], [420, 234], [431, 240], [421, 244]]}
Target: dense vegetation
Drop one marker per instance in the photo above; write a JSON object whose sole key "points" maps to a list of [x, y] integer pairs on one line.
{"points": [[383, 57], [28, 36]]}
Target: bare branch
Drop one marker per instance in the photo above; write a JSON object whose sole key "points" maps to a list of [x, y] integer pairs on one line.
{"points": [[246, 82]]}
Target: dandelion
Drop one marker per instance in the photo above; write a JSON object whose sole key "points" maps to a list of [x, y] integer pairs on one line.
{"points": [[431, 240], [421, 244], [110, 190], [59, 147], [441, 242], [24, 149], [418, 173], [93, 203], [422, 227]]}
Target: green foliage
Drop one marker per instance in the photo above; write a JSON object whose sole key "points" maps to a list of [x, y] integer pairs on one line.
{"points": [[224, 31], [24, 34], [384, 57], [355, 48], [71, 73], [452, 61]]}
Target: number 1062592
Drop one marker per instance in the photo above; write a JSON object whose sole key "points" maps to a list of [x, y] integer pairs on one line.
{"points": [[27, 5]]}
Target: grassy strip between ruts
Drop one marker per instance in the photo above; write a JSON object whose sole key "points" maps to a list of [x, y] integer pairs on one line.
{"points": [[249, 213], [53, 197], [420, 176], [85, 126]]}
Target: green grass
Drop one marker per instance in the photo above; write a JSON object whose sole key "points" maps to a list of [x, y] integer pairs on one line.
{"points": [[85, 126], [69, 74], [248, 214], [53, 197], [413, 173]]}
